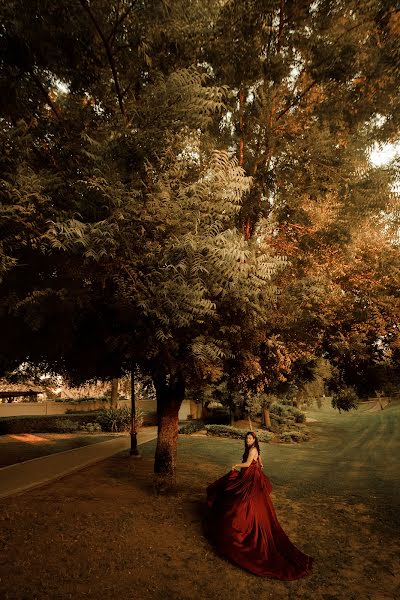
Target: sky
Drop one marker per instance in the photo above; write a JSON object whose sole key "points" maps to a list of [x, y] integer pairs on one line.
{"points": [[383, 154]]}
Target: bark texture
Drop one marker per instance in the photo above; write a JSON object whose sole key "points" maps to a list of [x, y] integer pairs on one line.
{"points": [[267, 418], [114, 392], [170, 391]]}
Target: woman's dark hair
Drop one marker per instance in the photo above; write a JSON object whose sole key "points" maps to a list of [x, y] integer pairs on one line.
{"points": [[248, 448]]}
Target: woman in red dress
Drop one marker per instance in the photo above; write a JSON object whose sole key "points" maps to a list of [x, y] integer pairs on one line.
{"points": [[243, 523]]}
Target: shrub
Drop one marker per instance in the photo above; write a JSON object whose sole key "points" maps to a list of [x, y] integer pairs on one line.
{"points": [[286, 401], [294, 436], [114, 419], [300, 417], [275, 427], [40, 423], [277, 419], [83, 400], [91, 427], [191, 427], [78, 410], [232, 432], [278, 409], [118, 419], [64, 426], [266, 400]]}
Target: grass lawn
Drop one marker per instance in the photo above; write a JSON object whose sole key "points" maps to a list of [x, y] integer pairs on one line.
{"points": [[19, 447], [101, 533]]}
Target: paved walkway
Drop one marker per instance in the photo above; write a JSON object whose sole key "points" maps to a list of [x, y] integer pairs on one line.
{"points": [[24, 476]]}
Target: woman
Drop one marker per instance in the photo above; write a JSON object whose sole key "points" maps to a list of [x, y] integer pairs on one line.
{"points": [[244, 525]]}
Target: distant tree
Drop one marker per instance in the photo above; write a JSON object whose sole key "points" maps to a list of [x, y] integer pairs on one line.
{"points": [[313, 88], [114, 391], [345, 398]]}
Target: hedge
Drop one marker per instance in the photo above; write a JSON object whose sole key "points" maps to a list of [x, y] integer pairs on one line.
{"points": [[232, 432], [42, 423], [297, 414], [191, 427], [294, 436]]}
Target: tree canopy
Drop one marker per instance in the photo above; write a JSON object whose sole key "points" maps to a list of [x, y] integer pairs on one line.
{"points": [[189, 189]]}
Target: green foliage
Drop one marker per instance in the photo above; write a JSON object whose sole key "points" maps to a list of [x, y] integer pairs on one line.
{"points": [[80, 402], [345, 399], [294, 436], [279, 409], [191, 427], [42, 423], [299, 416], [251, 405], [276, 419], [64, 426], [233, 432], [266, 400], [117, 419], [306, 113], [91, 427], [189, 151]]}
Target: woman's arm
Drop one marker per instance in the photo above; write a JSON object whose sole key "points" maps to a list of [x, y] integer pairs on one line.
{"points": [[252, 454]]}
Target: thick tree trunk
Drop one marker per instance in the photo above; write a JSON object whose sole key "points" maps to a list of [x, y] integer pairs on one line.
{"points": [[170, 395], [114, 392], [165, 458]]}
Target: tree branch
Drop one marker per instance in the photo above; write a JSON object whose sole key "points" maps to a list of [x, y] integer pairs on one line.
{"points": [[45, 93], [118, 22], [241, 124], [114, 29], [299, 97], [107, 48], [295, 101], [281, 23], [257, 150], [272, 111]]}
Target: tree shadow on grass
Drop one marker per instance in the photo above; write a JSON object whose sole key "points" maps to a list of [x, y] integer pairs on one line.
{"points": [[130, 470]]}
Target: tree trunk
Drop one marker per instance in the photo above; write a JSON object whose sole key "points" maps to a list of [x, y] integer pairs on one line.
{"points": [[170, 395], [114, 392], [267, 418], [133, 433], [241, 124]]}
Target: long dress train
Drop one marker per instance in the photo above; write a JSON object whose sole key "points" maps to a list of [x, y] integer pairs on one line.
{"points": [[244, 527]]}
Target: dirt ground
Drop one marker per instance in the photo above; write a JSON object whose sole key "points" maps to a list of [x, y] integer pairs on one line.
{"points": [[102, 533]]}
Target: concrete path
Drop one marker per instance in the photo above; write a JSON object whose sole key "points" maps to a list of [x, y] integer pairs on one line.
{"points": [[24, 476]]}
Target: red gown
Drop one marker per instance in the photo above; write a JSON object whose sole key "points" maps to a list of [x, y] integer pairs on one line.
{"points": [[244, 527]]}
